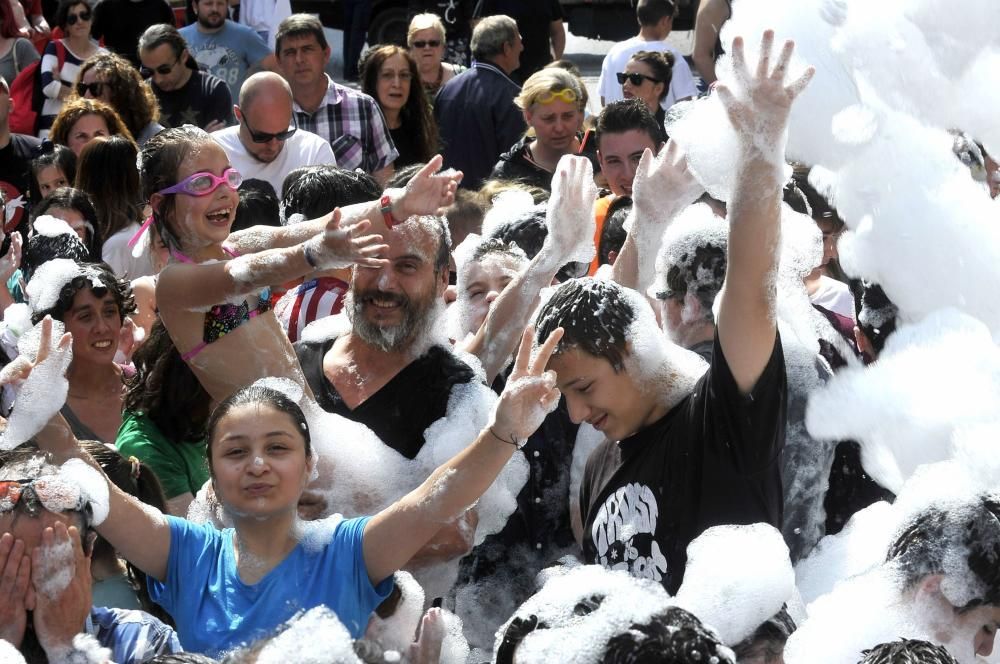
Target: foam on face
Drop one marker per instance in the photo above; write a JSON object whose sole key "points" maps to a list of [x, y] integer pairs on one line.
{"points": [[313, 637], [56, 568], [50, 226]]}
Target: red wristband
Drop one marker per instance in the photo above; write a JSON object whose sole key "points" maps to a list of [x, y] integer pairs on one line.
{"points": [[386, 208]]}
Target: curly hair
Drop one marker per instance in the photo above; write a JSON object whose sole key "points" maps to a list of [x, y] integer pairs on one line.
{"points": [[907, 651], [120, 290], [416, 113], [74, 109], [131, 96]]}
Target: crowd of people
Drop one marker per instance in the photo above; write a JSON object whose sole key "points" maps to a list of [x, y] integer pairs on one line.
{"points": [[431, 364]]}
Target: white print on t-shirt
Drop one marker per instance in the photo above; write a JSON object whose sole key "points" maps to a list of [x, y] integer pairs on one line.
{"points": [[221, 61], [627, 515]]}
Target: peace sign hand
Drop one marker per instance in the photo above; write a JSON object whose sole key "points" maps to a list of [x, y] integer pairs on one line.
{"points": [[531, 391]]}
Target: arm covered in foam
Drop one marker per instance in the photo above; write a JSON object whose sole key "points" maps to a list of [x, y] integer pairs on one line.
{"points": [[758, 107]]}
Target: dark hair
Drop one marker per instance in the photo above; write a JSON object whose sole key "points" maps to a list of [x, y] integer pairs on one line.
{"points": [[907, 651], [30, 462], [568, 65], [497, 246], [595, 316], [689, 271], [166, 390], [300, 25], [651, 12], [674, 636], [874, 311], [619, 117], [120, 290], [418, 122], [464, 215], [62, 11], [613, 232], [770, 637], [662, 64], [313, 191], [131, 96], [107, 173], [183, 658], [528, 231], [59, 156], [43, 248], [257, 394], [160, 161], [162, 33], [68, 198], [258, 205], [971, 530], [135, 478]]}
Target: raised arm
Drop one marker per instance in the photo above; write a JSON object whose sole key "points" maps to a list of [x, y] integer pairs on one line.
{"points": [[428, 192], [396, 533], [758, 110], [711, 15], [570, 231], [662, 188]]}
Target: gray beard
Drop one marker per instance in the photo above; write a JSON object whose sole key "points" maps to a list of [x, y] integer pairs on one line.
{"points": [[387, 338]]}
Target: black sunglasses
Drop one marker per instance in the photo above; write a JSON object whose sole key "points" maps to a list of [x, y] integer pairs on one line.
{"points": [[162, 70], [433, 43], [96, 89], [635, 78], [71, 19], [264, 137]]}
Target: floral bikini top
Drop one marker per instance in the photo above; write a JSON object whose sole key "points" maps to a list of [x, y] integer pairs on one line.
{"points": [[222, 319]]}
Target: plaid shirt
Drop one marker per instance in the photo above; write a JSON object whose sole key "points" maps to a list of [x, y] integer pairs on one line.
{"points": [[353, 123]]}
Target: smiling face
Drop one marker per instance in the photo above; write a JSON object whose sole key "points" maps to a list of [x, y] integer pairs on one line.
{"points": [[394, 80], [258, 461], [84, 130], [555, 123], [482, 282], [94, 321]]}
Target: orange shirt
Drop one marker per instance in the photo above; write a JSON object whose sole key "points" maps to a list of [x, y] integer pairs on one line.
{"points": [[601, 206]]}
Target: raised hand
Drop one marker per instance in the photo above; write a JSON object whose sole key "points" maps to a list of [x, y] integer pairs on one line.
{"points": [[427, 192], [531, 391], [12, 259], [21, 367], [758, 105], [15, 584], [62, 584], [570, 217], [342, 246], [663, 186]]}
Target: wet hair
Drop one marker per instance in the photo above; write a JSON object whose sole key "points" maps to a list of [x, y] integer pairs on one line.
{"points": [[51, 154], [138, 480], [131, 96], [595, 316], [62, 11], [528, 231], [299, 25], [613, 232], [107, 173], [907, 651], [689, 273], [662, 64], [68, 198], [167, 391], [928, 543], [625, 115], [41, 249], [258, 205], [651, 12], [490, 36], [875, 313], [160, 160], [74, 109], [313, 191], [416, 116], [183, 658], [120, 290], [818, 207], [674, 636], [258, 394], [496, 246], [768, 639]]}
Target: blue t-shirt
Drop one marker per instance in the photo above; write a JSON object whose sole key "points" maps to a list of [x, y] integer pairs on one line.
{"points": [[227, 53], [215, 611]]}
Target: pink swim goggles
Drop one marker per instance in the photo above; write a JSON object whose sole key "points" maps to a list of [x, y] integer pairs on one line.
{"points": [[204, 183]]}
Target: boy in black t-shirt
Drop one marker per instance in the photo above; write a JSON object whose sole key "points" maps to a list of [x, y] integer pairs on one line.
{"points": [[684, 453]]}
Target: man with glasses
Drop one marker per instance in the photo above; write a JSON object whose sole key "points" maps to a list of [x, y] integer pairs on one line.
{"points": [[267, 143], [187, 94], [656, 19], [15, 163], [120, 22]]}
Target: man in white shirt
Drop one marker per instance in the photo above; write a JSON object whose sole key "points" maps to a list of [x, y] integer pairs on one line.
{"points": [[656, 19], [267, 143]]}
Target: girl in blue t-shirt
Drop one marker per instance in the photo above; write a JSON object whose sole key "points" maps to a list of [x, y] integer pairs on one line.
{"points": [[225, 588]]}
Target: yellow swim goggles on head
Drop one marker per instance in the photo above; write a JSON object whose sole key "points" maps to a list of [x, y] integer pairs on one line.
{"points": [[566, 94]]}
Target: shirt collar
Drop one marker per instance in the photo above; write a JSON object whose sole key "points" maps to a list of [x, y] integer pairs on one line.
{"points": [[334, 95], [478, 64]]}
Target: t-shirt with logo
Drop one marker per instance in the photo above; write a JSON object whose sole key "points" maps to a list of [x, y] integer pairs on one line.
{"points": [[713, 459], [228, 53], [201, 101], [15, 174]]}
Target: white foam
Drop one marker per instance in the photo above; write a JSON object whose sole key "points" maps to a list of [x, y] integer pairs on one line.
{"points": [[313, 637], [50, 226], [8, 653]]}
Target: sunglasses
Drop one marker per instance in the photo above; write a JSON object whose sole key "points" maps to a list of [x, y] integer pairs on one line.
{"points": [[567, 95], [635, 79], [51, 493], [204, 183], [264, 137], [95, 89], [430, 43], [162, 70], [71, 19]]}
